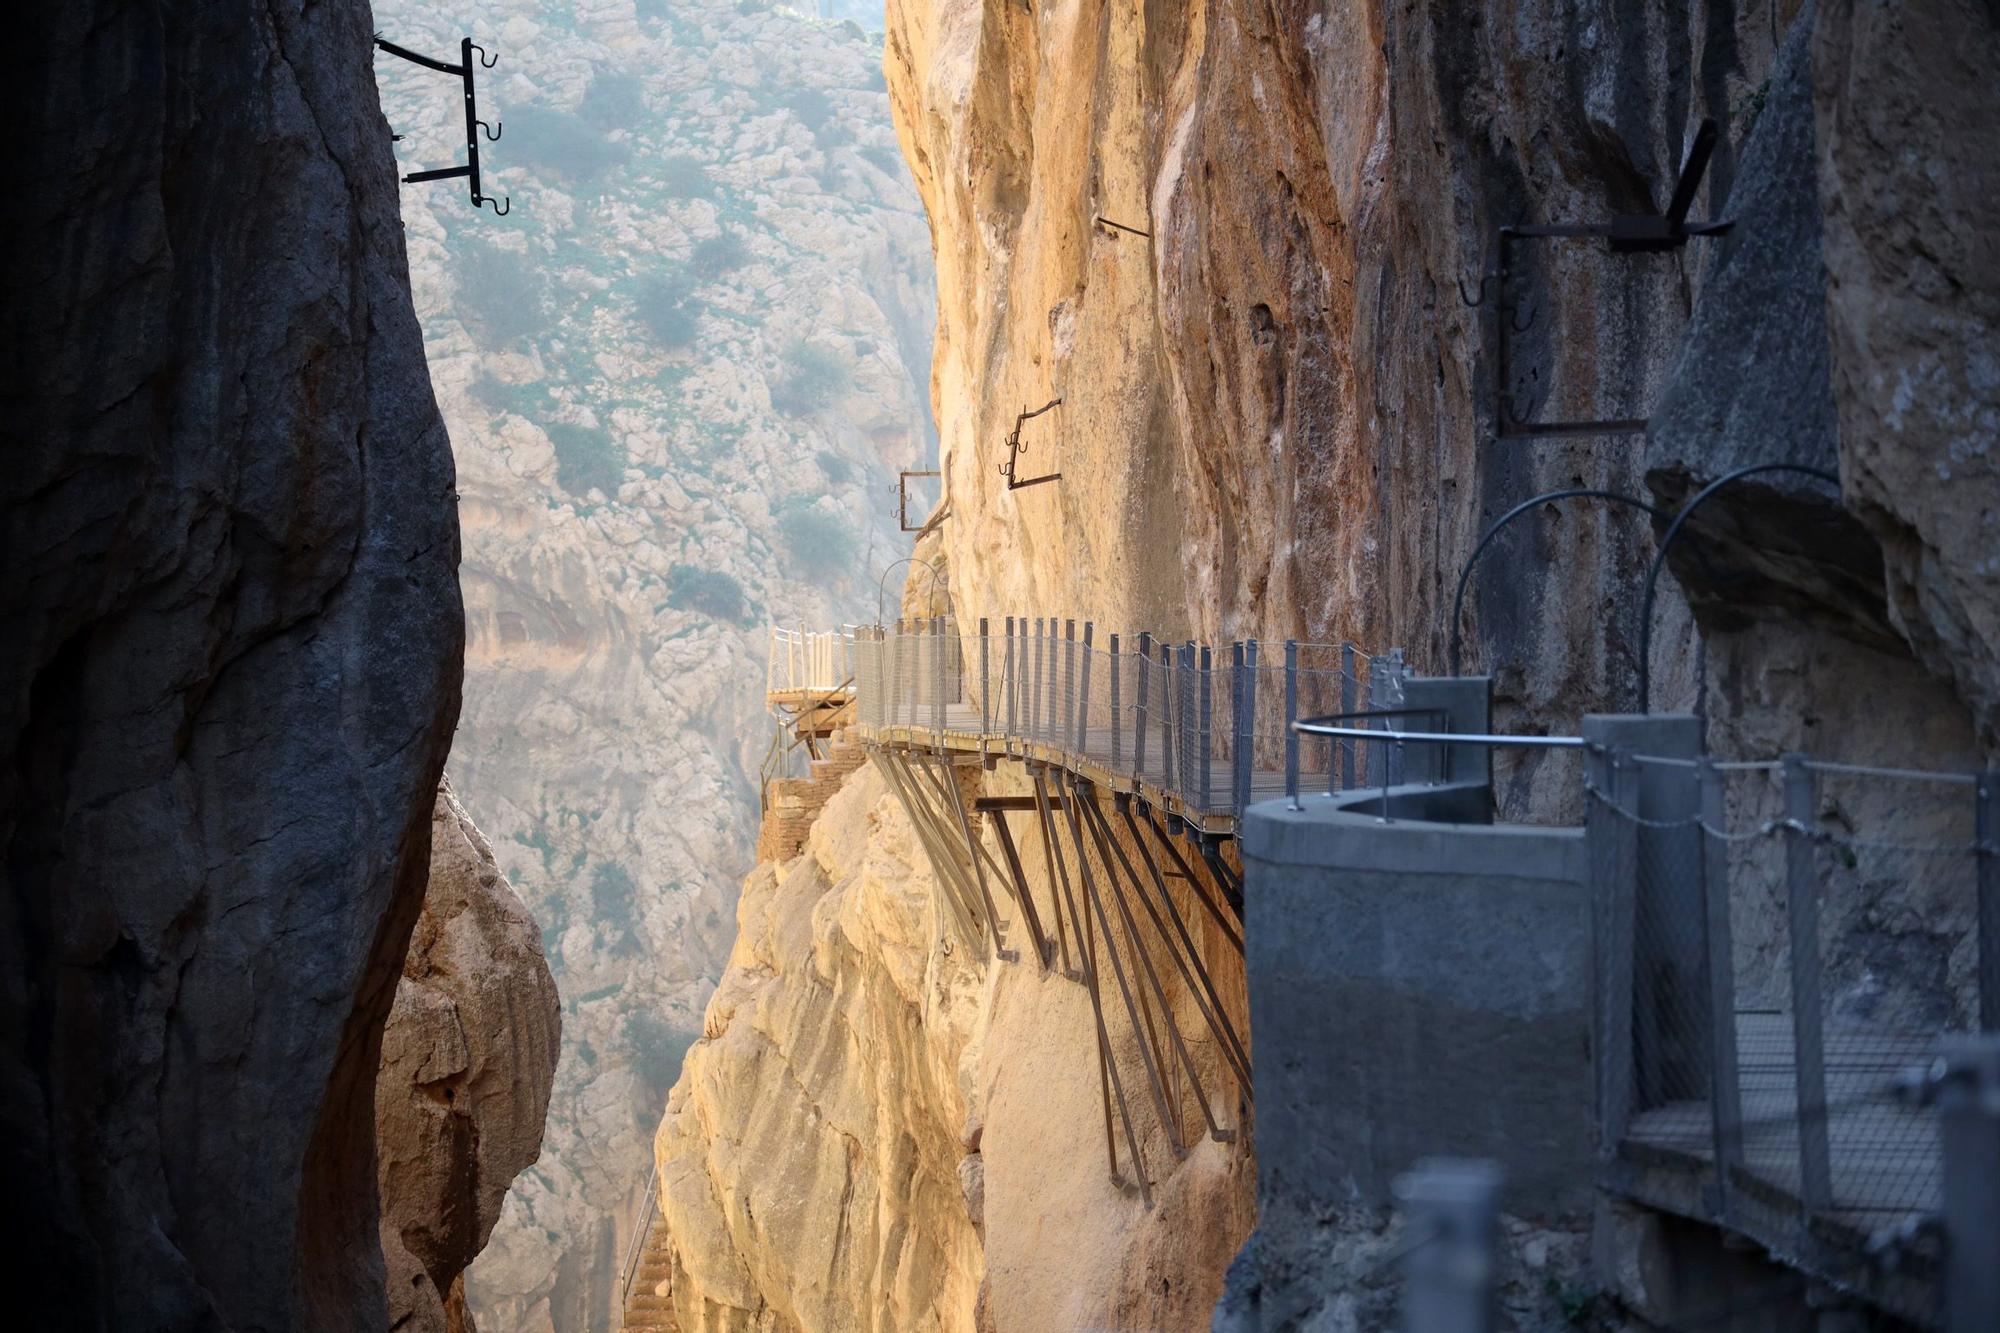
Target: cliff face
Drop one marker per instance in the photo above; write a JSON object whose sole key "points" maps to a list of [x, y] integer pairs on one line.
{"points": [[879, 1131], [679, 377], [231, 662], [1278, 410], [468, 1059]]}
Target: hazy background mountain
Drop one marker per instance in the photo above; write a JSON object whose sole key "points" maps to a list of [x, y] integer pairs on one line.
{"points": [[679, 377]]}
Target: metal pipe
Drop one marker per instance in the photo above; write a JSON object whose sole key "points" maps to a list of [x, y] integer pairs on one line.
{"points": [[1667, 544], [1311, 728], [1479, 548]]}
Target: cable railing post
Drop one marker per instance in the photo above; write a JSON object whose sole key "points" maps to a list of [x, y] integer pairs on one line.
{"points": [[1010, 680], [1347, 684], [1083, 699], [1725, 1092], [1986, 833], [985, 682], [1291, 716], [1809, 1052], [1144, 669], [1066, 718], [1244, 748], [1968, 1098], [1451, 1212], [1169, 704], [1185, 721], [937, 674], [1117, 716], [1207, 724], [1031, 715]]}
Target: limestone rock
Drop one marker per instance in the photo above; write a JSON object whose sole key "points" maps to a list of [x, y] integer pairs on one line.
{"points": [[230, 662], [679, 377], [1909, 156], [468, 1059]]}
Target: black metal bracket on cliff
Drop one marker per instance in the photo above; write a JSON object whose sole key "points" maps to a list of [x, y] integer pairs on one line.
{"points": [[473, 124], [1631, 233], [1015, 449], [903, 500]]}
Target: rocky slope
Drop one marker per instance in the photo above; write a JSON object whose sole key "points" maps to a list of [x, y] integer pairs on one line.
{"points": [[880, 1130], [231, 662], [468, 1059], [679, 376]]}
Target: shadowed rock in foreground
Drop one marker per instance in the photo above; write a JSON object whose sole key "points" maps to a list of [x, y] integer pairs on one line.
{"points": [[230, 661], [467, 1063]]}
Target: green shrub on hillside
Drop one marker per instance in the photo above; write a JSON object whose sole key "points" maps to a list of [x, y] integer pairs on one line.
{"points": [[665, 303], [684, 176], [721, 253], [708, 591], [587, 458], [561, 144], [820, 543], [809, 379], [499, 295], [657, 1049]]}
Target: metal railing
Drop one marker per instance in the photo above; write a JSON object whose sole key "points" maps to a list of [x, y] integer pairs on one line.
{"points": [[803, 660], [1778, 939], [1208, 726]]}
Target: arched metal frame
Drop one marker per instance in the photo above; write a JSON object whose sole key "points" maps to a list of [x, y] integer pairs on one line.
{"points": [[1667, 545], [1465, 574], [937, 580]]}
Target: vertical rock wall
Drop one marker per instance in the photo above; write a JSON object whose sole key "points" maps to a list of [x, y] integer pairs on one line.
{"points": [[468, 1059], [230, 664]]}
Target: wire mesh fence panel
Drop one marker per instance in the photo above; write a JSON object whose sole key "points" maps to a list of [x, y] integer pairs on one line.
{"points": [[1803, 934]]}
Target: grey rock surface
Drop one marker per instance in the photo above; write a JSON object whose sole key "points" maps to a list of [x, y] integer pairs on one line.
{"points": [[1909, 157], [230, 662], [468, 1061]]}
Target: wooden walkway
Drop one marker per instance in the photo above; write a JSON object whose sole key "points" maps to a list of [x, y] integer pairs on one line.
{"points": [[1885, 1157], [963, 733]]}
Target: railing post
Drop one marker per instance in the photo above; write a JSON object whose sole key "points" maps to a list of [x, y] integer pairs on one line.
{"points": [[1246, 724], [1611, 848], [1347, 684], [1291, 716], [1117, 713], [1169, 717], [1185, 721], [1809, 1052], [985, 683], [1082, 707], [1207, 724], [1139, 719], [937, 674], [1009, 677], [1725, 1091], [1235, 724], [1065, 717], [1968, 1095], [1986, 832], [1034, 709], [1451, 1225]]}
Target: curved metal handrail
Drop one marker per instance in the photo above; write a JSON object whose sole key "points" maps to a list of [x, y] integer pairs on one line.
{"points": [[1667, 544], [937, 578], [1547, 497]]}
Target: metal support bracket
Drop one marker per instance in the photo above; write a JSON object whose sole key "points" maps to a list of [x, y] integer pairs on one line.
{"points": [[473, 124], [1631, 233], [1015, 449], [903, 500]]}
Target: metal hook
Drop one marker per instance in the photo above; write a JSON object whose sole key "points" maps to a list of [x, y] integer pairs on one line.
{"points": [[1519, 327], [484, 62], [492, 131], [501, 209], [1484, 284]]}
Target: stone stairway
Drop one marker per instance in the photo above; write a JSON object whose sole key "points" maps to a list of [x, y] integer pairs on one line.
{"points": [[796, 802], [649, 1309]]}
